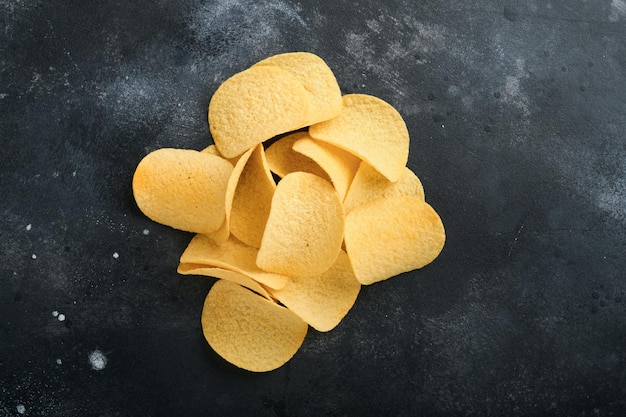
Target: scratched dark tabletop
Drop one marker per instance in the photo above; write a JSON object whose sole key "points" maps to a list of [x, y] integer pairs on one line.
{"points": [[517, 117]]}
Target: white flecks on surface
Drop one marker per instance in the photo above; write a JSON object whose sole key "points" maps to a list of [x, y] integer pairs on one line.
{"points": [[55, 313], [33, 256], [59, 361], [116, 255], [21, 409], [61, 317], [97, 360], [146, 232], [3, 95], [29, 227]]}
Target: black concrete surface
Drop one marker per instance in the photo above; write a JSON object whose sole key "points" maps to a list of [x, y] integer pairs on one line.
{"points": [[517, 114]]}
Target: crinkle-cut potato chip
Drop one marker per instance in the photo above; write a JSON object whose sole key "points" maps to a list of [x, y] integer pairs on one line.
{"points": [[255, 105], [322, 300], [252, 199], [340, 165], [183, 189], [316, 77], [232, 255], [389, 236], [304, 231], [282, 159], [368, 184], [371, 129], [227, 274], [250, 331]]}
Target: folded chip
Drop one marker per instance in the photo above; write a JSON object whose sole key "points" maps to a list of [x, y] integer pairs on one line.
{"points": [[227, 274], [368, 184], [249, 196], [389, 236], [250, 331], [316, 77], [371, 129], [232, 255], [183, 189], [340, 165], [282, 159], [255, 105], [322, 300], [304, 230]]}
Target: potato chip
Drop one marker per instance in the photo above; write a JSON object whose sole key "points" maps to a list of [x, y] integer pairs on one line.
{"points": [[389, 236], [322, 300], [304, 230], [316, 77], [212, 149], [282, 159], [232, 255], [368, 184], [255, 105], [340, 165], [236, 277], [248, 330], [371, 129], [252, 199], [183, 189]]}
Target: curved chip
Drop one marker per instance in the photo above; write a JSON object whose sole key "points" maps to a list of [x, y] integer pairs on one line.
{"points": [[255, 105], [252, 198], [368, 184], [316, 77], [282, 159], [236, 277], [248, 330], [232, 255], [182, 188], [389, 236], [322, 300], [249, 196], [340, 165], [371, 129], [304, 230]]}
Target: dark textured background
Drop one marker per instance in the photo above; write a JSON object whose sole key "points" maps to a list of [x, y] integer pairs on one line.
{"points": [[517, 113]]}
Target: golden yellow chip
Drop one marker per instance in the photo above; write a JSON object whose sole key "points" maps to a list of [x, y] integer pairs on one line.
{"points": [[252, 199], [212, 149], [340, 165], [182, 188], [304, 230], [227, 274], [282, 159], [389, 236], [317, 78], [371, 129], [255, 105], [322, 300], [232, 255], [248, 330], [368, 184]]}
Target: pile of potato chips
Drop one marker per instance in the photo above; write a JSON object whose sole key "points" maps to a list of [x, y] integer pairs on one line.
{"points": [[304, 197]]}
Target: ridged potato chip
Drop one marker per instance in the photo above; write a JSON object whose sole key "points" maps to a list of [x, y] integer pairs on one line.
{"points": [[255, 105], [368, 184], [371, 129], [250, 331], [316, 77], [304, 230], [389, 236], [340, 165], [182, 188], [322, 300], [232, 255], [282, 159], [227, 274]]}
